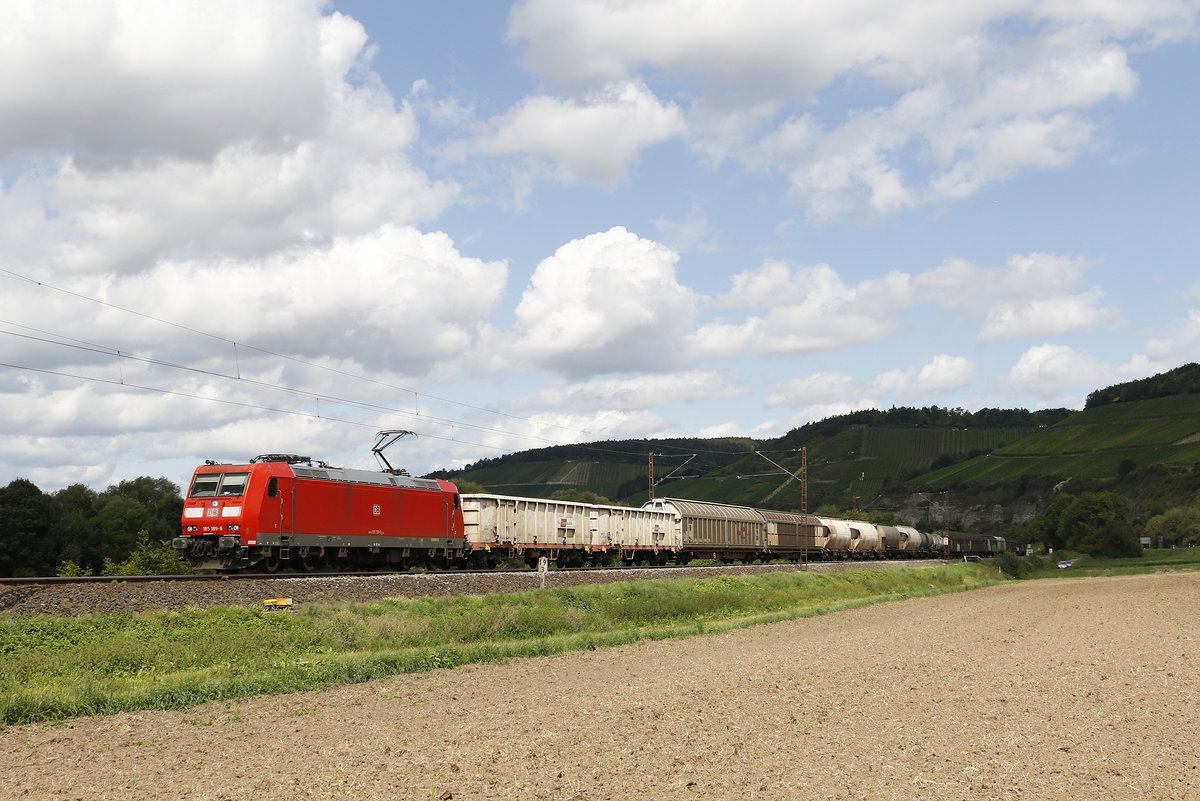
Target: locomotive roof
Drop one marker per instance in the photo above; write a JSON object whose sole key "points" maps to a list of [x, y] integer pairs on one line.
{"points": [[351, 475]]}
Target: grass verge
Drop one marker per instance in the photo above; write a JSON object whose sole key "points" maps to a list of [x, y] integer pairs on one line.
{"points": [[56, 668], [1151, 561]]}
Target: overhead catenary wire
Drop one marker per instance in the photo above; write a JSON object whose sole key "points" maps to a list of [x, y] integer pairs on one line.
{"points": [[105, 350], [71, 342], [323, 417], [227, 401], [7, 273], [303, 393]]}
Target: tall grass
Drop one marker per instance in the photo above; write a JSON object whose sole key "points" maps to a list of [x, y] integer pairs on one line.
{"points": [[1152, 560], [55, 668]]}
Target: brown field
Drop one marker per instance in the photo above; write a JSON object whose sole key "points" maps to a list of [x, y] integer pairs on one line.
{"points": [[1084, 689]]}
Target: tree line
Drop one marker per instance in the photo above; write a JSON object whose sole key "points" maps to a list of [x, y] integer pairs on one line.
{"points": [[928, 417], [1183, 380], [113, 532], [1102, 524]]}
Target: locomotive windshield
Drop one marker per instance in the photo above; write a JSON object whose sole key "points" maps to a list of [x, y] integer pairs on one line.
{"points": [[225, 485]]}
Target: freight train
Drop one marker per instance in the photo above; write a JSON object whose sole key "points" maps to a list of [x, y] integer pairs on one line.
{"points": [[283, 510]]}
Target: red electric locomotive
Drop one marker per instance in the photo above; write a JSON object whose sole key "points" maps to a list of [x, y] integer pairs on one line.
{"points": [[286, 510]]}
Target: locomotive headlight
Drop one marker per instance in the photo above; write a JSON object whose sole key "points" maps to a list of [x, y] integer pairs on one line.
{"points": [[232, 527], [191, 529]]}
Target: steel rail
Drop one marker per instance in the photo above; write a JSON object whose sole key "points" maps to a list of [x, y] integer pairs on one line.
{"points": [[45, 580]]}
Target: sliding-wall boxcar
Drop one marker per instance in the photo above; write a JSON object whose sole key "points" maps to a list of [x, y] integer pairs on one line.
{"points": [[716, 530], [959, 543], [792, 535]]}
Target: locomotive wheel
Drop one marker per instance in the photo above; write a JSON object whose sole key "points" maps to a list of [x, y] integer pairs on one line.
{"points": [[307, 562], [271, 563]]}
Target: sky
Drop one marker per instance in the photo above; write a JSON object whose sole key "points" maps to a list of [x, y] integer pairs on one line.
{"points": [[236, 227]]}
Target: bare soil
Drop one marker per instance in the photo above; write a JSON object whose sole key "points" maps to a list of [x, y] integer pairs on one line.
{"points": [[1061, 689]]}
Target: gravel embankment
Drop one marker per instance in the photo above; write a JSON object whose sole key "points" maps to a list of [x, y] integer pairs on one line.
{"points": [[82, 599]]}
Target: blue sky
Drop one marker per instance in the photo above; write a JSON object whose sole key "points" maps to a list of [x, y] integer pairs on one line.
{"points": [[230, 228]]}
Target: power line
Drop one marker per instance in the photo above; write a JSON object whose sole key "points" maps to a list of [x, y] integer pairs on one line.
{"points": [[18, 277], [242, 404], [318, 416], [92, 347], [106, 350]]}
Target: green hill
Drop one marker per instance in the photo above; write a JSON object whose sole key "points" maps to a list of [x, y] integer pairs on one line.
{"points": [[896, 459], [851, 459], [1095, 443]]}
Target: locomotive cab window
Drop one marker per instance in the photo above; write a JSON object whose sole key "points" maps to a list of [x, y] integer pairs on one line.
{"points": [[205, 486], [233, 483], [225, 485]]}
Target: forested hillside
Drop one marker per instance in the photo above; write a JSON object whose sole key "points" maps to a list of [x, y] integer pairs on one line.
{"points": [[1103, 441], [850, 457], [1183, 380]]}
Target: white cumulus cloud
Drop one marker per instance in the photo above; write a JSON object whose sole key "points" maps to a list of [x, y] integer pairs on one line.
{"points": [[808, 309], [125, 80], [955, 96], [636, 393], [609, 302], [1048, 316], [594, 138], [1058, 375], [941, 376]]}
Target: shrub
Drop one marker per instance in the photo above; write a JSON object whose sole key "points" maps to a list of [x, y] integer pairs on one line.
{"points": [[1011, 565], [148, 559]]}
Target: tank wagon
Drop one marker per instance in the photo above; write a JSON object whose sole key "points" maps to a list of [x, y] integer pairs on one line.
{"points": [[285, 510], [906, 539]]}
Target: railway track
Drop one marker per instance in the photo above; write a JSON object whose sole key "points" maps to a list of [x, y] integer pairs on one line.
{"points": [[51, 580], [70, 596], [841, 565]]}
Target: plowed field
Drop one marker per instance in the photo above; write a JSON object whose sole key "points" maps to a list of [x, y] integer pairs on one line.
{"points": [[1076, 690]]}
